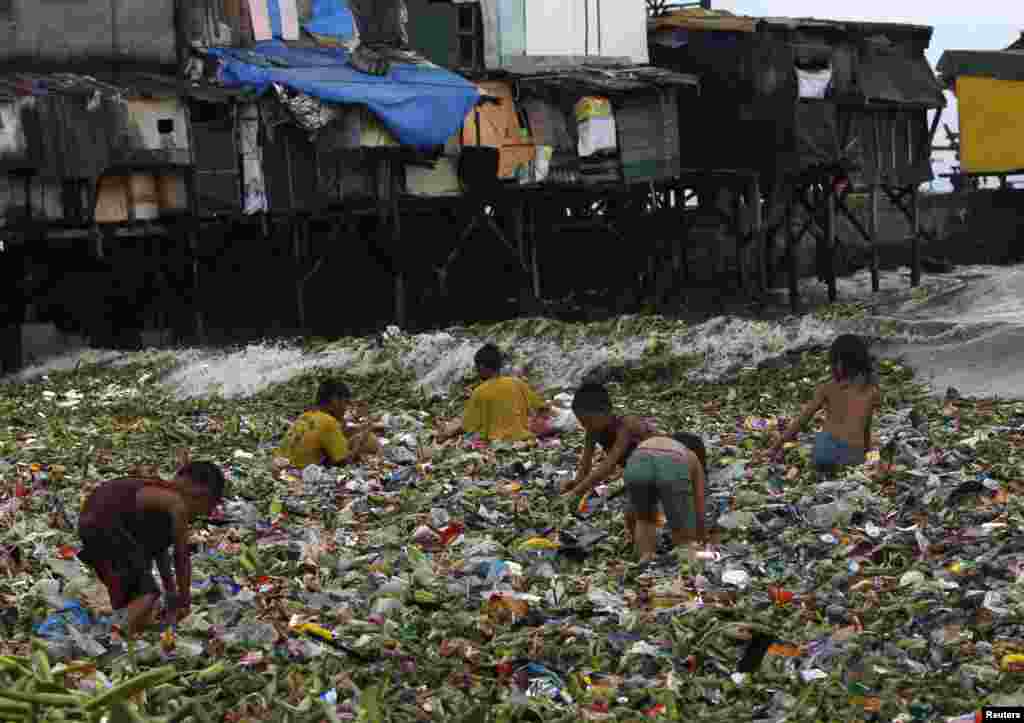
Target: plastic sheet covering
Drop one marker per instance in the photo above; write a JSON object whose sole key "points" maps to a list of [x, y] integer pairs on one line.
{"points": [[333, 20], [311, 114], [814, 83], [255, 189], [421, 104]]}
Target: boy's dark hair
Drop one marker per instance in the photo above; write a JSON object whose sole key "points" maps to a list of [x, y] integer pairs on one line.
{"points": [[591, 399], [695, 444], [850, 353], [489, 357], [332, 389], [208, 475]]}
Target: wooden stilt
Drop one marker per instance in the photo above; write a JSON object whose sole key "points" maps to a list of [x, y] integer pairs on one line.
{"points": [[676, 240], [876, 188], [757, 232], [875, 282], [401, 299], [303, 277], [792, 260], [199, 318], [830, 239], [915, 238], [738, 227], [515, 230], [534, 252], [389, 230]]}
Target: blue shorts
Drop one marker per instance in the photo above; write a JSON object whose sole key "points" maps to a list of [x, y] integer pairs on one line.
{"points": [[832, 452]]}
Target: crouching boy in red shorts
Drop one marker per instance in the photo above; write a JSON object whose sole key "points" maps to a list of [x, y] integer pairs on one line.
{"points": [[128, 524]]}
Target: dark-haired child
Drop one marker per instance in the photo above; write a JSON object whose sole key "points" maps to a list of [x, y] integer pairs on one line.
{"points": [[850, 398], [128, 524], [618, 436], [319, 435], [498, 409]]}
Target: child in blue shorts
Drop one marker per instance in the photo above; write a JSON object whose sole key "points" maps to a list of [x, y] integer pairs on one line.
{"points": [[850, 398]]}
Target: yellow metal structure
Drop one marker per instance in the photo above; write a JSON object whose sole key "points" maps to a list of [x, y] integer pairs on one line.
{"points": [[991, 124]]}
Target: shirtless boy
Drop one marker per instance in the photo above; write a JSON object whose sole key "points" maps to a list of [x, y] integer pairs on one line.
{"points": [[850, 398]]}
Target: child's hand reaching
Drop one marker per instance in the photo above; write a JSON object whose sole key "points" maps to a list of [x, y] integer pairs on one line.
{"points": [[569, 487]]}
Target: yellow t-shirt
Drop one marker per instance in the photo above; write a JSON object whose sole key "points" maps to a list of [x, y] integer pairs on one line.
{"points": [[314, 436], [499, 409]]}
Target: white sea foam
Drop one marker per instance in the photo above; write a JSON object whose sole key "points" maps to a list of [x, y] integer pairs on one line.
{"points": [[950, 310]]}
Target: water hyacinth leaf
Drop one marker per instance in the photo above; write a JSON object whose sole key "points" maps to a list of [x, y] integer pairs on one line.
{"points": [[836, 576]]}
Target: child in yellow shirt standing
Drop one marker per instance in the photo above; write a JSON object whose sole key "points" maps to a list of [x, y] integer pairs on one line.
{"points": [[498, 409], [318, 436]]}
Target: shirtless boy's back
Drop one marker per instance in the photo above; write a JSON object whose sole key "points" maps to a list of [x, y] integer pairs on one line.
{"points": [[850, 399]]}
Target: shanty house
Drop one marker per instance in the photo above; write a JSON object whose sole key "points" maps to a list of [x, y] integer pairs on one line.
{"points": [[989, 88], [563, 72], [88, 89], [788, 96], [519, 35], [176, 120]]}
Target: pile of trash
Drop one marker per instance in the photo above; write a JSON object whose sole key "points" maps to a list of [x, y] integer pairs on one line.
{"points": [[452, 582]]}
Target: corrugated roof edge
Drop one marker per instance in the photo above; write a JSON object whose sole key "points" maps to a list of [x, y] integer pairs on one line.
{"points": [[1004, 64], [732, 22], [649, 73], [143, 85]]}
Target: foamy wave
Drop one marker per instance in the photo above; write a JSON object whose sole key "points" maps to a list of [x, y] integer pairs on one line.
{"points": [[950, 310]]}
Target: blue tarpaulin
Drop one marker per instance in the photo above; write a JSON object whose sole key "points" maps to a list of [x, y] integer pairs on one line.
{"points": [[331, 18], [422, 105]]}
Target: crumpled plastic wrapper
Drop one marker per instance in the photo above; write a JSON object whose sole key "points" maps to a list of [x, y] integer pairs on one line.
{"points": [[309, 113]]}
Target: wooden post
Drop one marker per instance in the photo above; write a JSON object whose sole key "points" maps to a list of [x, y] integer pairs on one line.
{"points": [[303, 277], [401, 300], [830, 238], [757, 231], [875, 283], [876, 128], [387, 219], [676, 239], [534, 244], [200, 321], [792, 260], [515, 230], [915, 239], [738, 229]]}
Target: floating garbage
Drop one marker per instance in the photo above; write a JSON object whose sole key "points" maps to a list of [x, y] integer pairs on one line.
{"points": [[447, 581]]}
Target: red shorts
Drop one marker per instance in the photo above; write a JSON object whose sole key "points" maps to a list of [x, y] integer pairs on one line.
{"points": [[121, 565]]}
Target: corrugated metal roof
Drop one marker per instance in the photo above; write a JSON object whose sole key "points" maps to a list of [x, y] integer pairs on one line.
{"points": [[1000, 64], [845, 25], [897, 79], [13, 85], [612, 80], [724, 21], [704, 19]]}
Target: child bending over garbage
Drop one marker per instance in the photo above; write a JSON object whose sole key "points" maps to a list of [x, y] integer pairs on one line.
{"points": [[319, 436], [618, 436], [128, 524], [669, 471], [498, 409], [850, 398]]}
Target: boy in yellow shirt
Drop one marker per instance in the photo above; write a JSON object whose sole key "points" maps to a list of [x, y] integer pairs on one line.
{"points": [[498, 409], [318, 436]]}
